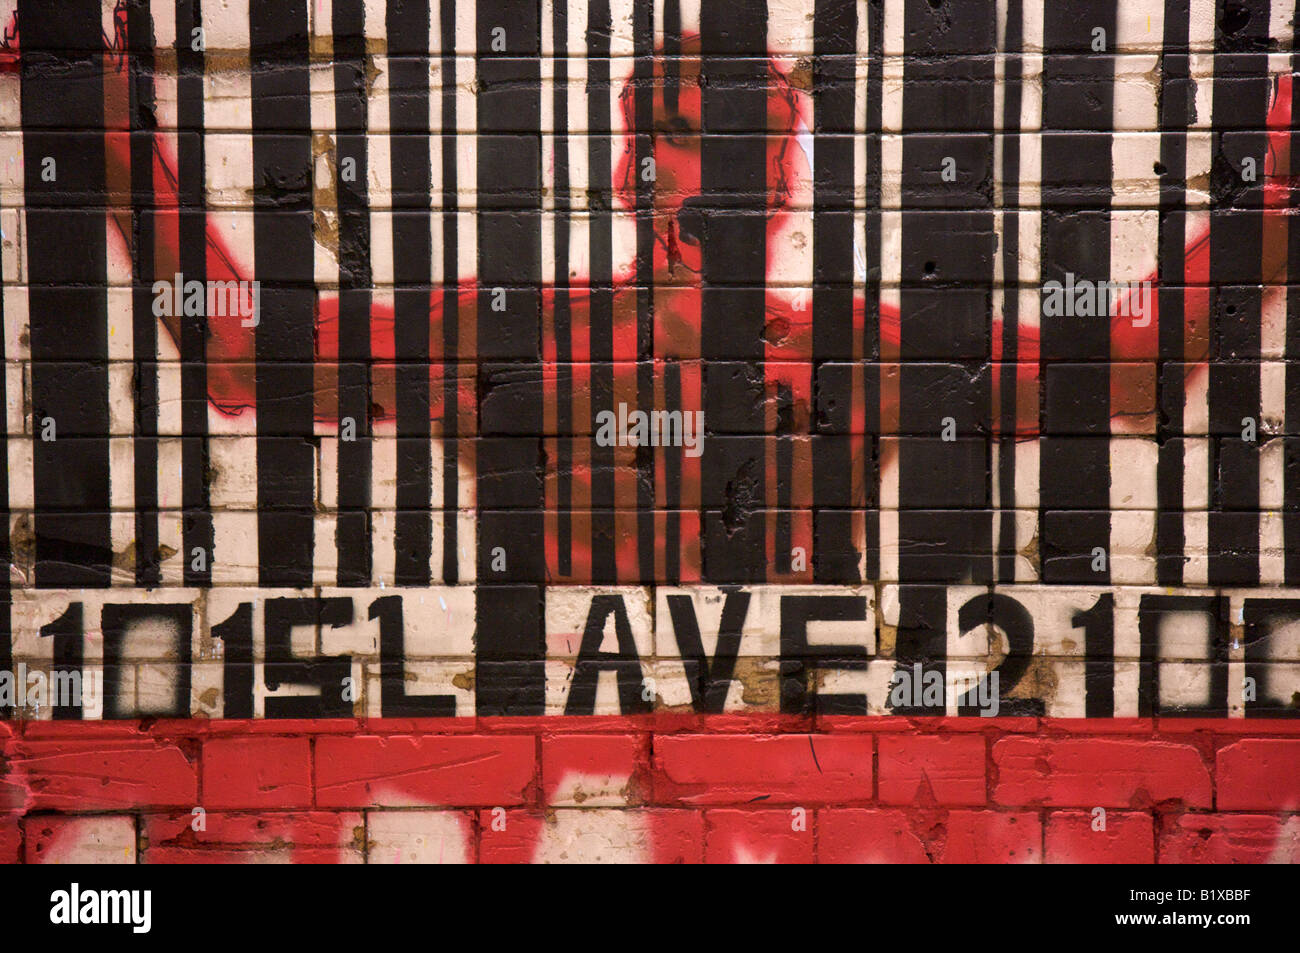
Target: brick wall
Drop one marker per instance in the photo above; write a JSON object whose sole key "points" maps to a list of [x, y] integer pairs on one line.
{"points": [[671, 789], [967, 327]]}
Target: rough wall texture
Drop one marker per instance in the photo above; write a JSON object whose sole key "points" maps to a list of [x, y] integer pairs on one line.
{"points": [[674, 430]]}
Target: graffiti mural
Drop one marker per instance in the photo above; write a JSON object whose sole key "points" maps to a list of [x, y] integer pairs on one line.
{"points": [[423, 416]]}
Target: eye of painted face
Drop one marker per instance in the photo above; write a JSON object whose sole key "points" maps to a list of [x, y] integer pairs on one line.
{"points": [[676, 129]]}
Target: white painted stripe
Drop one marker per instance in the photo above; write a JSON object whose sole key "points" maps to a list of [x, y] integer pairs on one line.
{"points": [[1139, 26], [1281, 22], [1196, 546], [383, 502], [19, 449], [121, 393], [325, 557], [227, 105]]}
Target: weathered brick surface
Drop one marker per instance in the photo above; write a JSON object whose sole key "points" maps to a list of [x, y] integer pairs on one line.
{"points": [[916, 769], [403, 770], [591, 836], [595, 770], [758, 837], [1229, 839], [1259, 774], [868, 836], [1083, 837], [632, 789], [11, 839], [257, 772], [420, 837], [1084, 772], [104, 839], [723, 769], [108, 775], [988, 837]]}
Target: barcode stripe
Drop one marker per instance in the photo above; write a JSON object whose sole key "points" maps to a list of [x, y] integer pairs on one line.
{"points": [[8, 91], [408, 105], [1291, 500], [871, 273], [62, 89], [944, 526], [735, 95], [948, 239], [600, 318], [643, 48], [191, 186], [509, 674], [1175, 102], [1240, 98], [144, 331], [1010, 172], [451, 343], [560, 314], [1074, 484], [355, 457], [284, 253], [834, 114]]}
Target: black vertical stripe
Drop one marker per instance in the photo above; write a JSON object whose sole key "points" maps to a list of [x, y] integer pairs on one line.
{"points": [[284, 256], [450, 300], [191, 187], [643, 115], [509, 641], [871, 244], [672, 478], [871, 472], [408, 106], [1175, 108], [601, 315], [1074, 459], [784, 541], [834, 69], [1012, 73], [1099, 650], [1291, 489], [672, 52], [947, 240], [1241, 91], [943, 533], [834, 102], [561, 312], [62, 89], [353, 531], [734, 271], [144, 324]]}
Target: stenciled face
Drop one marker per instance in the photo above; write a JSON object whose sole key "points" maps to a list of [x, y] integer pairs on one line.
{"points": [[678, 141]]}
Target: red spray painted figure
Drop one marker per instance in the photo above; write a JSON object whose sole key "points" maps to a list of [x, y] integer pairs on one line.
{"points": [[678, 261]]}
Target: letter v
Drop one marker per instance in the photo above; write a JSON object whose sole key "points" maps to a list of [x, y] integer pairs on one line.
{"points": [[709, 682]]}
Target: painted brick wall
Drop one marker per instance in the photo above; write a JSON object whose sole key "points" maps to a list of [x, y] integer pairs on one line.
{"points": [[686, 789], [649, 430]]}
